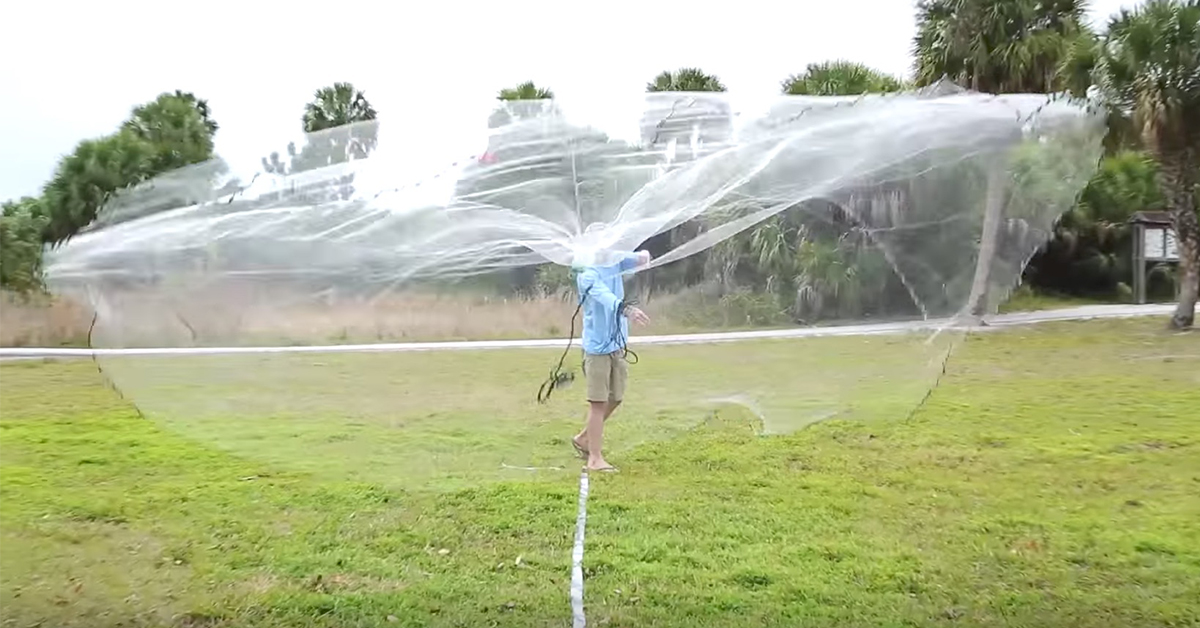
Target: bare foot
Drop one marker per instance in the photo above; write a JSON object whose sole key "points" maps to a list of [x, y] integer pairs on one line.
{"points": [[599, 464], [579, 447]]}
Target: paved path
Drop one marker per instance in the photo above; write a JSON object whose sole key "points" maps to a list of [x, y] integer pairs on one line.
{"points": [[993, 322]]}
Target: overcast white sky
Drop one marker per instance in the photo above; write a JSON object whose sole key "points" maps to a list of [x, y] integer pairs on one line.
{"points": [[72, 70]]}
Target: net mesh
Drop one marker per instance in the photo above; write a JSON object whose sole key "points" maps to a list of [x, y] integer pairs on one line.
{"points": [[855, 216]]}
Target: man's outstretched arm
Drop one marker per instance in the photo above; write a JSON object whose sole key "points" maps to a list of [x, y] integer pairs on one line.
{"points": [[636, 259]]}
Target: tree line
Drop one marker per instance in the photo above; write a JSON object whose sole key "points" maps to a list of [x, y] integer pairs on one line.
{"points": [[1142, 64]]}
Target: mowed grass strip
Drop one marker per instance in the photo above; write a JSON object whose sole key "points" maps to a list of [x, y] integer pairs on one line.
{"points": [[1053, 479]]}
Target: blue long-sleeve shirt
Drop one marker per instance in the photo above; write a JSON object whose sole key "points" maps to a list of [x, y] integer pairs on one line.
{"points": [[602, 289]]}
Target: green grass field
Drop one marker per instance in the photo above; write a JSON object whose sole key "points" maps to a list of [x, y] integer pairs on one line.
{"points": [[1051, 480]]}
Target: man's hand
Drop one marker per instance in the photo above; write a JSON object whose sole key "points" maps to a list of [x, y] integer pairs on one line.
{"points": [[643, 258], [637, 315]]}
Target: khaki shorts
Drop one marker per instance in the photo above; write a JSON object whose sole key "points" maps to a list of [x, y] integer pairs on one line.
{"points": [[606, 375]]}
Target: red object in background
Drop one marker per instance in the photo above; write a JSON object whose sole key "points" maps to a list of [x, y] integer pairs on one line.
{"points": [[488, 158]]}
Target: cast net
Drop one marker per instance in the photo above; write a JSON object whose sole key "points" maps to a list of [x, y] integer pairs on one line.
{"points": [[309, 307]]}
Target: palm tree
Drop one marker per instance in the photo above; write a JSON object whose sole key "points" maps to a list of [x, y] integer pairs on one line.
{"points": [[333, 120], [179, 125], [1146, 67], [520, 102], [839, 78], [675, 119], [685, 80], [825, 274], [995, 46], [337, 105], [525, 91], [694, 123]]}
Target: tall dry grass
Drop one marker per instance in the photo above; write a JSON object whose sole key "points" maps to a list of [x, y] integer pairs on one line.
{"points": [[246, 315], [42, 321]]}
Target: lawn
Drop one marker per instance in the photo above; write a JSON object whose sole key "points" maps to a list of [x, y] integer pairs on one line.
{"points": [[1051, 480]]}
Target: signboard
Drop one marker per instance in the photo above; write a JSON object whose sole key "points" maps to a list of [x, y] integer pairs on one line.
{"points": [[1171, 247], [1160, 245]]}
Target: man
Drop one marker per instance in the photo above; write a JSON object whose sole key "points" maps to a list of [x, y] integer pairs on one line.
{"points": [[605, 332]]}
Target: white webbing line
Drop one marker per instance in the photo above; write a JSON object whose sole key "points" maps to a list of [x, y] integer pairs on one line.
{"points": [[577, 618]]}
